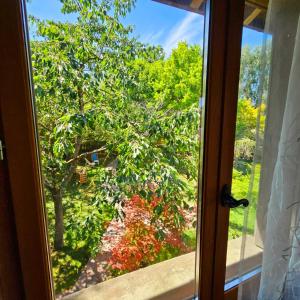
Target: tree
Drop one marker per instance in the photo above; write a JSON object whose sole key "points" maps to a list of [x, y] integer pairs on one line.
{"points": [[93, 96], [179, 78], [255, 67], [246, 120], [76, 66]]}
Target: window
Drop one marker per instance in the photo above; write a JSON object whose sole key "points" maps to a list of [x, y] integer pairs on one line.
{"points": [[121, 140], [118, 111]]}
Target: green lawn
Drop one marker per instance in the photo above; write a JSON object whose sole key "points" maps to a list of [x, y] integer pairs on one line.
{"points": [[240, 189]]}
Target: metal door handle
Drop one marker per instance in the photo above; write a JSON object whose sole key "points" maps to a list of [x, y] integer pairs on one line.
{"points": [[228, 201]]}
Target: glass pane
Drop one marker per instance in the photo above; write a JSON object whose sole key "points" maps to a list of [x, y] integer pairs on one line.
{"points": [[263, 238], [249, 140], [118, 94]]}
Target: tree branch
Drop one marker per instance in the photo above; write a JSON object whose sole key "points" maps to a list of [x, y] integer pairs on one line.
{"points": [[72, 167], [86, 154]]}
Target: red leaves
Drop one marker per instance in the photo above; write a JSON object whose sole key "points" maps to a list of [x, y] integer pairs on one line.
{"points": [[155, 201], [137, 248], [140, 245]]}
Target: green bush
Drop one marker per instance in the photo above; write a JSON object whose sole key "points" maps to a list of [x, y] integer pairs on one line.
{"points": [[244, 149]]}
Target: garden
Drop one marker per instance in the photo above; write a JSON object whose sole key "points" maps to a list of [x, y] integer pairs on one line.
{"points": [[119, 129]]}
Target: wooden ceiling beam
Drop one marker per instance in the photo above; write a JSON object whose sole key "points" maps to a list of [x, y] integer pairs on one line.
{"points": [[196, 4], [252, 16], [263, 4], [259, 9]]}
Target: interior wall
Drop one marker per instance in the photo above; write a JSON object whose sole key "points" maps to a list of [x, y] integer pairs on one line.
{"points": [[10, 273]]}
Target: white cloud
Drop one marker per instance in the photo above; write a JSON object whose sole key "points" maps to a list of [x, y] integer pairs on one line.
{"points": [[153, 37], [186, 30]]}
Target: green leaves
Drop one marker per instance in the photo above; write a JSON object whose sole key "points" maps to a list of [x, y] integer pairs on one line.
{"points": [[97, 87], [86, 8]]}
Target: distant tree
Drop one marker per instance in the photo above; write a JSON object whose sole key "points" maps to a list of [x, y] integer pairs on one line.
{"points": [[179, 78], [246, 119], [255, 64]]}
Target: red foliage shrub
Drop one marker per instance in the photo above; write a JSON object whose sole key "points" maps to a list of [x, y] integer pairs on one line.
{"points": [[145, 234], [138, 247]]}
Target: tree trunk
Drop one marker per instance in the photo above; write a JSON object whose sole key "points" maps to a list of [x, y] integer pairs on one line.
{"points": [[59, 221]]}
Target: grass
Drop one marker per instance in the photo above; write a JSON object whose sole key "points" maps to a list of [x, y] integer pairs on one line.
{"points": [[240, 189]]}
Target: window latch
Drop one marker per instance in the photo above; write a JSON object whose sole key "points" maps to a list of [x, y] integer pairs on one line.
{"points": [[228, 201]]}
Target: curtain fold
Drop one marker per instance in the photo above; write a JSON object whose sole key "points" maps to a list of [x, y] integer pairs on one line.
{"points": [[281, 257], [280, 175]]}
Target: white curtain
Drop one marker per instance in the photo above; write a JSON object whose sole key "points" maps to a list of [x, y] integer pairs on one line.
{"points": [[280, 180], [281, 257]]}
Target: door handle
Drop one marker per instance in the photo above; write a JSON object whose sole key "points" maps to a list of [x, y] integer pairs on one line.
{"points": [[228, 201]]}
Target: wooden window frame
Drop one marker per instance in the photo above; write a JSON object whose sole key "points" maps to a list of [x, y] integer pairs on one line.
{"points": [[20, 137], [21, 153], [224, 52]]}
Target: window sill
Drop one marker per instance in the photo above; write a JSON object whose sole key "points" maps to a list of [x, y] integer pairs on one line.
{"points": [[173, 279]]}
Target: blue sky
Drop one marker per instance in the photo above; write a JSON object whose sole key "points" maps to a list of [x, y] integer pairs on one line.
{"points": [[154, 23]]}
